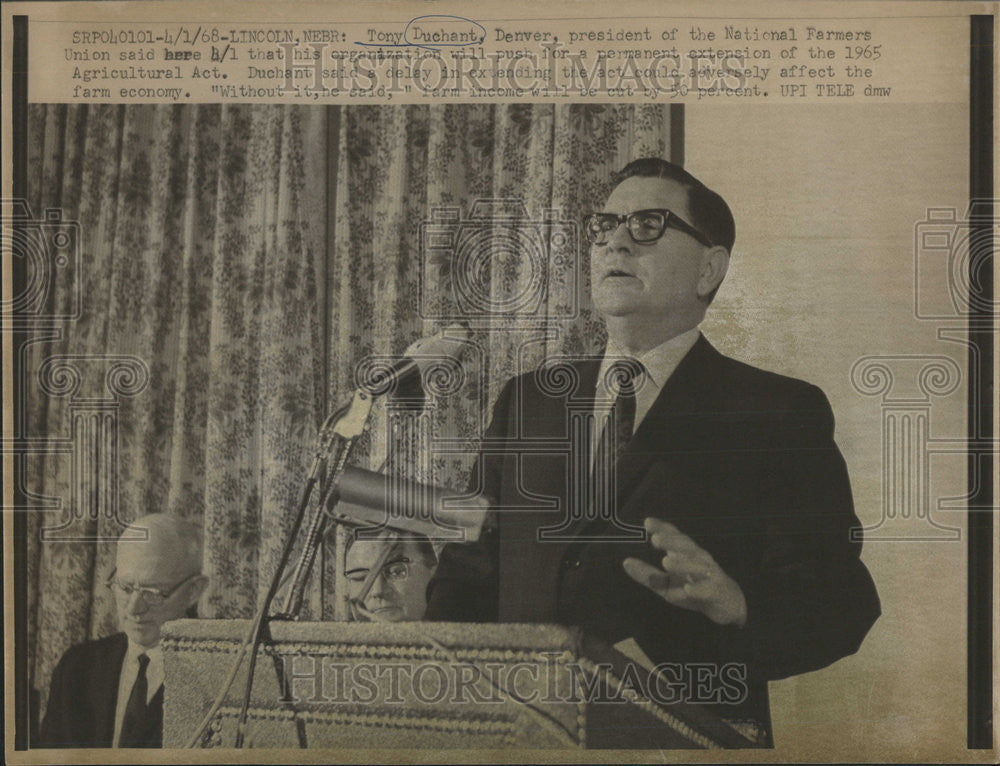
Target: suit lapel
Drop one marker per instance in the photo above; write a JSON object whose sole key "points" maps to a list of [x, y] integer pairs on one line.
{"points": [[551, 417], [540, 485], [668, 426], [154, 734]]}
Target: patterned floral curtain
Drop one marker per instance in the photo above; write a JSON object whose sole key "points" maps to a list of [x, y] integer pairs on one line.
{"points": [[202, 239], [237, 262]]}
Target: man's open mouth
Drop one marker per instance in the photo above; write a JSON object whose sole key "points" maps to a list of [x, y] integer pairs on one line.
{"points": [[617, 273]]}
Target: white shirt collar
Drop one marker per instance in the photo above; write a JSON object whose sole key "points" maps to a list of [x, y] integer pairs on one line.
{"points": [[659, 362], [155, 653]]}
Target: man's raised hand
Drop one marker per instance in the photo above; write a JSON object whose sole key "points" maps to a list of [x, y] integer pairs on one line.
{"points": [[689, 577]]}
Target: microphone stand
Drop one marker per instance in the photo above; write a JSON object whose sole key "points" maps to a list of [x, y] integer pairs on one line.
{"points": [[340, 432], [337, 438], [344, 433]]}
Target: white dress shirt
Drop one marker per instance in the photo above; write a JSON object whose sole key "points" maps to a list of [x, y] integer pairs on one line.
{"points": [[658, 365], [130, 670]]}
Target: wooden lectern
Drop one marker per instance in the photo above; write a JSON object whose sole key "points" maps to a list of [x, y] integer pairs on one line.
{"points": [[425, 685]]}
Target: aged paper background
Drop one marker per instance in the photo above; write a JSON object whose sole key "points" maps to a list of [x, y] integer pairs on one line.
{"points": [[828, 194]]}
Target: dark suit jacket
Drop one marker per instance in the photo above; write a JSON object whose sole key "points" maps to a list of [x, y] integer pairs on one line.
{"points": [[741, 460], [84, 693]]}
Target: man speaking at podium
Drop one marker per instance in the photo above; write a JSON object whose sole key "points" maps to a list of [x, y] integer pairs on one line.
{"points": [[748, 559]]}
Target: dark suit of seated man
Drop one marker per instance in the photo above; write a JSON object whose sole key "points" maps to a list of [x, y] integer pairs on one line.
{"points": [[109, 692], [747, 566]]}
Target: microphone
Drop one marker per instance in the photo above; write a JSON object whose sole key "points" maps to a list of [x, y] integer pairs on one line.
{"points": [[378, 375], [367, 498]]}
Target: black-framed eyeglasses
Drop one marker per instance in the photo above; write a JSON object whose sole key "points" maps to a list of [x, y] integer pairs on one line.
{"points": [[150, 596], [392, 572], [644, 226]]}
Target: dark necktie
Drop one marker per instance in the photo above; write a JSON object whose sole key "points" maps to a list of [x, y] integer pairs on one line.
{"points": [[621, 376], [136, 723]]}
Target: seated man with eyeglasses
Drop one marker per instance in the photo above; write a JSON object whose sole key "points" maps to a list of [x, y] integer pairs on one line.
{"points": [[109, 692], [398, 593]]}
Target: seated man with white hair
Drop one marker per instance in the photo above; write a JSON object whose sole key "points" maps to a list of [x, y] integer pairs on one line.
{"points": [[109, 692]]}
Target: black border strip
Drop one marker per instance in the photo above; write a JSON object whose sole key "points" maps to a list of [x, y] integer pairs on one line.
{"points": [[980, 403], [19, 189]]}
